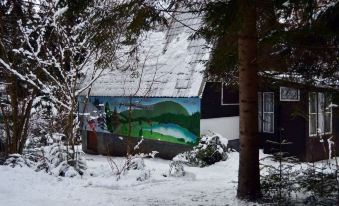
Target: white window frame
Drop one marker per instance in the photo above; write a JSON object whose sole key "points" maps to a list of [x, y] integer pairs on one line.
{"points": [[313, 113], [318, 116], [222, 98], [289, 100], [264, 112], [260, 114]]}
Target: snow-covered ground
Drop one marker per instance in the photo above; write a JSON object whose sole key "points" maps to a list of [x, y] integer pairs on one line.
{"points": [[213, 185]]}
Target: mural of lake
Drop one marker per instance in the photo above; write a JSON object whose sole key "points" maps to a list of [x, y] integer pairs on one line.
{"points": [[175, 131], [175, 120]]}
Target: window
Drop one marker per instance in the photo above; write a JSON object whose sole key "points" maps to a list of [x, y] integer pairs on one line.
{"points": [[268, 112], [289, 94], [229, 96], [320, 113], [182, 81]]}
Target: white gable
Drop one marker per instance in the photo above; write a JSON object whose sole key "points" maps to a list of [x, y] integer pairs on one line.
{"points": [[170, 65]]}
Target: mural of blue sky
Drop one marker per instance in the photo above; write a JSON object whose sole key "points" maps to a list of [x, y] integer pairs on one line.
{"points": [[190, 104]]}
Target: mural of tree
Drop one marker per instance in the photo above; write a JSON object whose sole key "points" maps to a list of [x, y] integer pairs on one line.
{"points": [[96, 102], [102, 118], [115, 119], [140, 132], [108, 117]]}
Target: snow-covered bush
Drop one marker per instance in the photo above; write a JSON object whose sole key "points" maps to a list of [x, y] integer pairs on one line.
{"points": [[16, 160], [144, 175], [54, 160], [136, 163], [132, 162], [212, 148], [176, 169]]}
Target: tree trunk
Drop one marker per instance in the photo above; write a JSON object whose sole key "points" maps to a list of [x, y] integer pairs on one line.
{"points": [[249, 175], [25, 124]]}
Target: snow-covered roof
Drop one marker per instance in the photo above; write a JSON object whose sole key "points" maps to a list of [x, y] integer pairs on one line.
{"points": [[170, 65]]}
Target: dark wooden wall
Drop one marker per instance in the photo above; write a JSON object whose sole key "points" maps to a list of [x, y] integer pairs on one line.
{"points": [[291, 123], [211, 103]]}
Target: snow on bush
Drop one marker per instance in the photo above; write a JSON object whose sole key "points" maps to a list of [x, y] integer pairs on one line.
{"points": [[50, 155], [176, 169], [131, 163], [15, 160], [136, 164], [58, 163], [144, 175], [212, 148]]}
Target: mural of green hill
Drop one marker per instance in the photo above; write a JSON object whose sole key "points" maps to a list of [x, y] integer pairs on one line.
{"points": [[158, 109]]}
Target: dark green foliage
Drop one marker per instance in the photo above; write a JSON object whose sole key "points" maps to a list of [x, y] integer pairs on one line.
{"points": [[283, 183], [308, 48], [141, 15], [209, 151], [209, 156], [279, 184], [220, 30], [321, 183]]}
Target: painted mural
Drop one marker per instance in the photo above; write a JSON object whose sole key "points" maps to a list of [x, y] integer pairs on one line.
{"points": [[175, 120]]}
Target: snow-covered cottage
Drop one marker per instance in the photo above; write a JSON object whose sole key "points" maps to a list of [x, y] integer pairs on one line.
{"points": [[166, 102]]}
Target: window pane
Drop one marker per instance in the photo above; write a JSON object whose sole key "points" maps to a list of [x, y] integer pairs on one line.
{"points": [[321, 102], [321, 112], [268, 122], [313, 102], [313, 124], [328, 122], [289, 94], [268, 102], [328, 101], [259, 112]]}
